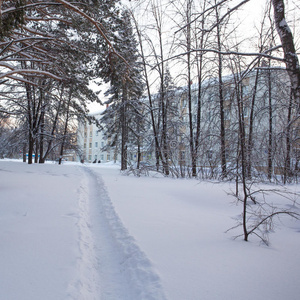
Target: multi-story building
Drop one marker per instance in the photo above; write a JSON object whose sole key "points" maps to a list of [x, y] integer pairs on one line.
{"points": [[263, 102], [92, 144]]}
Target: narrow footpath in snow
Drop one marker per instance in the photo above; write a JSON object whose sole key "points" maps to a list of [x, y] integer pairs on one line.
{"points": [[61, 238], [89, 232], [111, 265]]}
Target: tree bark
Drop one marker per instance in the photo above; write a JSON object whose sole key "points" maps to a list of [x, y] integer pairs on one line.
{"points": [[24, 152], [270, 142], [221, 101], [287, 161], [189, 79], [124, 129], [62, 146], [251, 125], [290, 55], [29, 122]]}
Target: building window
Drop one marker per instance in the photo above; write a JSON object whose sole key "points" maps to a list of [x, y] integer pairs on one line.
{"points": [[96, 144], [91, 133], [90, 157], [84, 146], [90, 145], [108, 156], [102, 157], [95, 156], [102, 144]]}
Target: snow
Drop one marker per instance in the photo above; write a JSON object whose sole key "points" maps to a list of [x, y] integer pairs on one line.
{"points": [[283, 24], [89, 232]]}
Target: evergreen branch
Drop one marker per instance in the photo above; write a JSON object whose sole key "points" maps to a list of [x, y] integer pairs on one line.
{"points": [[95, 23]]}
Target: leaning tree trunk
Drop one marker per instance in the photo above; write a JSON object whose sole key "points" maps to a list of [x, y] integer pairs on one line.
{"points": [[290, 55], [158, 152]]}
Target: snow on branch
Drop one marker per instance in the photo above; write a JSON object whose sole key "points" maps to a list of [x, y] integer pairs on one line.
{"points": [[47, 19], [30, 38], [262, 54], [30, 71], [257, 54], [95, 23]]}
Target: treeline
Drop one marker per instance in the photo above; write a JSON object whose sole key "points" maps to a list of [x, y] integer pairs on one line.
{"points": [[191, 92], [188, 85], [49, 53], [218, 101]]}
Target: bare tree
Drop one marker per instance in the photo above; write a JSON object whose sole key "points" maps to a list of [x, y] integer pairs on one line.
{"points": [[158, 152]]}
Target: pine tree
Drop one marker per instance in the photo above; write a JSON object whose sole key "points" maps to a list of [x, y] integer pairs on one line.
{"points": [[67, 52], [125, 87]]}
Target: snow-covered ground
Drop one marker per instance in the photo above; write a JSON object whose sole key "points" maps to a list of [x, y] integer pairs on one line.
{"points": [[87, 232]]}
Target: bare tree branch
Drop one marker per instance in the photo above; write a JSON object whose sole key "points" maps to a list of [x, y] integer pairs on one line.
{"points": [[257, 54]]}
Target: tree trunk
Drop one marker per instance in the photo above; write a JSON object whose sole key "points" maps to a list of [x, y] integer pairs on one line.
{"points": [[42, 125], [287, 41], [139, 155], [251, 125], [124, 129], [36, 152], [29, 122], [270, 141], [164, 112], [158, 153], [66, 128], [242, 140], [199, 59], [49, 145], [287, 161], [165, 161], [221, 100], [24, 152], [189, 84], [42, 160], [30, 148]]}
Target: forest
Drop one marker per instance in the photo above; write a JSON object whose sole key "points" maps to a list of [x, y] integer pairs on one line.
{"points": [[194, 85]]}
